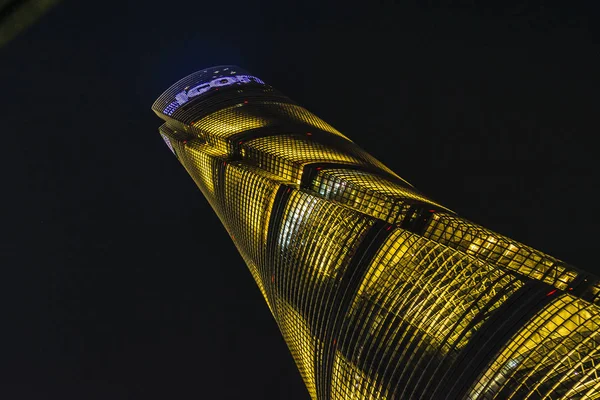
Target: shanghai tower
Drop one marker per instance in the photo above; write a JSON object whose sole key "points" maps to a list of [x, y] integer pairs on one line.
{"points": [[379, 291]]}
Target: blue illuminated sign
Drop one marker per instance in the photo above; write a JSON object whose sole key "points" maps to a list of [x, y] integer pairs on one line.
{"points": [[185, 95]]}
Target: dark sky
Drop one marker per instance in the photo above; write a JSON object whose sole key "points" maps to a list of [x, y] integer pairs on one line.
{"points": [[117, 279]]}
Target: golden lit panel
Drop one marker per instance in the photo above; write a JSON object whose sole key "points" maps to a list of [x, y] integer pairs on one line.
{"points": [[201, 161], [285, 156], [301, 115], [594, 291], [428, 295], [369, 193], [352, 383], [555, 356], [315, 244], [256, 114], [250, 210], [301, 342], [249, 194], [231, 120], [254, 270], [218, 127], [320, 234], [494, 248]]}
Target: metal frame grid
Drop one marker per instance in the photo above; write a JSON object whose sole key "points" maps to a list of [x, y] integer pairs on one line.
{"points": [[371, 194], [487, 245], [418, 304], [555, 356], [220, 127]]}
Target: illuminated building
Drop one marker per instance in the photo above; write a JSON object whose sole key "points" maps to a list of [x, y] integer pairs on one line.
{"points": [[379, 291]]}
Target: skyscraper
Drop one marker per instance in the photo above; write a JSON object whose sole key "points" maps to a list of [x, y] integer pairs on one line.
{"points": [[379, 291]]}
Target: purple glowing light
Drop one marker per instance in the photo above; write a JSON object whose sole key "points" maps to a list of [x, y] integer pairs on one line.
{"points": [[185, 95], [170, 109], [168, 142]]}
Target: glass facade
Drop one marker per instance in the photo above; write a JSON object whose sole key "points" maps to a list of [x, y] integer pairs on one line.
{"points": [[379, 291]]}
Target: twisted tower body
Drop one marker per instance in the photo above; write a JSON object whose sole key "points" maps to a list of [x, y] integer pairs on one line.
{"points": [[379, 292]]}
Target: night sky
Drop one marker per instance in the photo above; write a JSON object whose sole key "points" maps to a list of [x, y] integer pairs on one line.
{"points": [[117, 279]]}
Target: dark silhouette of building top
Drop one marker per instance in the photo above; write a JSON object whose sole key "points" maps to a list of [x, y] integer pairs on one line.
{"points": [[379, 291]]}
